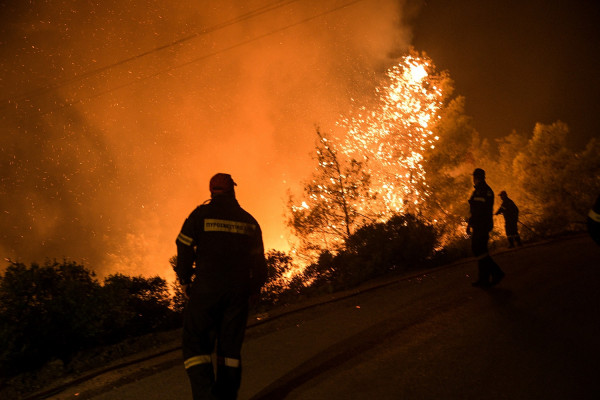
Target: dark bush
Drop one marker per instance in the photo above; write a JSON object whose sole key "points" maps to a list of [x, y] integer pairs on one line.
{"points": [[138, 305], [56, 310], [398, 244], [322, 273], [46, 312], [284, 283]]}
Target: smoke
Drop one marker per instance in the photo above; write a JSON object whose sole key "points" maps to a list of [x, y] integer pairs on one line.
{"points": [[115, 115]]}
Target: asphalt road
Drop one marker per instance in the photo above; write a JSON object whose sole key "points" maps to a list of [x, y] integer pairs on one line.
{"points": [[534, 336]]}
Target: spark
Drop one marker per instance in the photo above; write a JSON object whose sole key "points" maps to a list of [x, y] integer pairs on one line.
{"points": [[392, 138], [375, 166]]}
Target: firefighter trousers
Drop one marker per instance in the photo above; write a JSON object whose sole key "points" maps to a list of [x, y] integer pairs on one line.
{"points": [[214, 321], [512, 233], [487, 267]]}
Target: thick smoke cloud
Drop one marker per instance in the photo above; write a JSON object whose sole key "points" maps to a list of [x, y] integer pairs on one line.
{"points": [[116, 114]]}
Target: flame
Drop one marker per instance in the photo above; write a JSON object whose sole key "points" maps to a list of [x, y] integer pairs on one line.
{"points": [[392, 139], [374, 167]]}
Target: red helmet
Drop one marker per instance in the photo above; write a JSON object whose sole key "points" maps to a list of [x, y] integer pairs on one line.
{"points": [[479, 173], [221, 183]]}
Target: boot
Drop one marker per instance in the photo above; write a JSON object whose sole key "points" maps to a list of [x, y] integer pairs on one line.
{"points": [[228, 382], [518, 238], [497, 273], [483, 280], [202, 379]]}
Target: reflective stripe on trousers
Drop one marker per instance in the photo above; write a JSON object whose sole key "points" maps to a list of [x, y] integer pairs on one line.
{"points": [[206, 359], [229, 362], [197, 360], [594, 215]]}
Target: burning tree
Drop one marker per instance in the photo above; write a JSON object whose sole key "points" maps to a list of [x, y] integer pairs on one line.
{"points": [[376, 167], [392, 139], [449, 167], [335, 201], [413, 151]]}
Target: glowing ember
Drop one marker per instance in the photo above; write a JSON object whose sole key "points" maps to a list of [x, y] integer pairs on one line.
{"points": [[375, 167], [392, 139]]}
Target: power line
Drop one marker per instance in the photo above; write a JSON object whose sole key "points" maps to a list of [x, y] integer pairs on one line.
{"points": [[249, 15], [214, 53]]}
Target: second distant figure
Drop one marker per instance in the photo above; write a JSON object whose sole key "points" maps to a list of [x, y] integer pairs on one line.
{"points": [[510, 211], [481, 222]]}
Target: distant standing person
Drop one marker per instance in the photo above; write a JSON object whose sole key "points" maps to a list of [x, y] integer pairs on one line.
{"points": [[593, 221], [480, 223], [225, 243], [510, 211]]}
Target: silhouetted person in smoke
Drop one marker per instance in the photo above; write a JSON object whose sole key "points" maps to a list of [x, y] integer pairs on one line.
{"points": [[481, 222], [593, 221], [225, 243], [510, 211]]}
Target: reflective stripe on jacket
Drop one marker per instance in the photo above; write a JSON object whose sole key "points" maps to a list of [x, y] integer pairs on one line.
{"points": [[481, 204], [225, 242]]}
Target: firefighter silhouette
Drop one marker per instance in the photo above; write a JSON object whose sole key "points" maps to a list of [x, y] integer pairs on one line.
{"points": [[480, 223], [225, 244], [510, 211]]}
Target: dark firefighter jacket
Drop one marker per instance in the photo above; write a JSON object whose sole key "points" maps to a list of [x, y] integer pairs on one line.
{"points": [[510, 211], [593, 221], [481, 204], [226, 244]]}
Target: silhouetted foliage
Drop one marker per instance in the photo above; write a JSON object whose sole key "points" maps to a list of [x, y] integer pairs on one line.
{"points": [[323, 272], [401, 242], [398, 244], [278, 265], [282, 283], [140, 305], [552, 184], [58, 309], [47, 312], [179, 298]]}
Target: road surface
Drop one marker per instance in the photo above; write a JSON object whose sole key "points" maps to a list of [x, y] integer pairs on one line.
{"points": [[433, 336]]}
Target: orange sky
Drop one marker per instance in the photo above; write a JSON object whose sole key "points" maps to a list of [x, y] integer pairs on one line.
{"points": [[115, 116]]}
